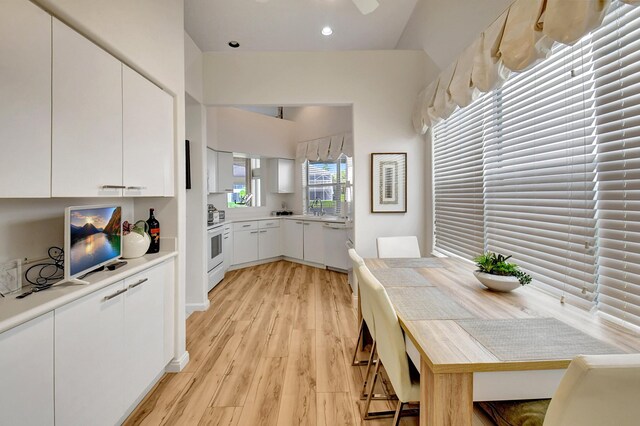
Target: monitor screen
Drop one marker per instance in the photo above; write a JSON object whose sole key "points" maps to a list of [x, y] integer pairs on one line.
{"points": [[92, 238]]}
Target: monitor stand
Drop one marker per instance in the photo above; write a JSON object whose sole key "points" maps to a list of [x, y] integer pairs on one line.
{"points": [[73, 281]]}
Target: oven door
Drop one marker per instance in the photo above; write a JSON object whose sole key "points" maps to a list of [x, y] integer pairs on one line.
{"points": [[216, 256]]}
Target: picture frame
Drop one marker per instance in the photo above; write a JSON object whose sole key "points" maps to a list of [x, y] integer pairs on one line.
{"points": [[389, 182]]}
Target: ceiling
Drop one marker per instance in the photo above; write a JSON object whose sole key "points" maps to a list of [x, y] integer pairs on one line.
{"points": [[294, 25]]}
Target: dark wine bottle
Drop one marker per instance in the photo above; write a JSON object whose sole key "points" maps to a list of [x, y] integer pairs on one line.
{"points": [[154, 232]]}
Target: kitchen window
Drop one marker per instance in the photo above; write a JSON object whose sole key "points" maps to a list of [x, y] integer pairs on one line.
{"points": [[246, 183], [328, 187]]}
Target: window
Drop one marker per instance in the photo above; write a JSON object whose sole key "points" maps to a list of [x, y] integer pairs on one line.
{"points": [[246, 183], [560, 173], [327, 186]]}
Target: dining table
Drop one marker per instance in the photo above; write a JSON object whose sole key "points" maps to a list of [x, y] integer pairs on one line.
{"points": [[475, 344]]}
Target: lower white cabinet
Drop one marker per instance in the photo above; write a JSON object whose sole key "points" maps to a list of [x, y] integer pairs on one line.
{"points": [[269, 243], [293, 239], [227, 246], [26, 373], [143, 331], [313, 242], [245, 246], [109, 348], [89, 358]]}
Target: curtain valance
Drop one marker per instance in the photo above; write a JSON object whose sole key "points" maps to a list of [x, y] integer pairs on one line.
{"points": [[325, 149], [520, 37]]}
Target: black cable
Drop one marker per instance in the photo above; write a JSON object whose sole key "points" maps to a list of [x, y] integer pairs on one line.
{"points": [[49, 271]]}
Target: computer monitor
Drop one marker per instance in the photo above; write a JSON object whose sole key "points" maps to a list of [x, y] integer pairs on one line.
{"points": [[92, 238]]}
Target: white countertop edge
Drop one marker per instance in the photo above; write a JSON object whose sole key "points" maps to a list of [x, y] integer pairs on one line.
{"points": [[292, 217], [14, 312]]}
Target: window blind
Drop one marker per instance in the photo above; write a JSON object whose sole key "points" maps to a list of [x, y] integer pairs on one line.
{"points": [[617, 63], [459, 209]]}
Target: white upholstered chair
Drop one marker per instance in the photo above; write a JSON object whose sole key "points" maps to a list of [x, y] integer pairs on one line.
{"points": [[356, 262], [390, 347], [389, 247], [598, 390]]}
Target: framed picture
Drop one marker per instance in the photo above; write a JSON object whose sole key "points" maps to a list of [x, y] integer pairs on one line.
{"points": [[389, 182]]}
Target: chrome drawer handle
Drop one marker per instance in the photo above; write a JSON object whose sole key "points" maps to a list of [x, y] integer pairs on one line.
{"points": [[246, 226], [137, 187], [253, 232], [299, 223], [142, 281], [116, 294], [262, 232], [113, 187], [307, 224]]}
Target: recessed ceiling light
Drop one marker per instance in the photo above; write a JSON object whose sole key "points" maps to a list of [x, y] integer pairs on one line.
{"points": [[327, 31], [234, 44]]}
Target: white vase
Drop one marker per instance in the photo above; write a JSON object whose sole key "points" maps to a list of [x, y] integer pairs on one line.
{"points": [[503, 283], [135, 245]]}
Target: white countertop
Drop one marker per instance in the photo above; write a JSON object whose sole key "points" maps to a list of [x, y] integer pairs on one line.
{"points": [[14, 312], [309, 218]]}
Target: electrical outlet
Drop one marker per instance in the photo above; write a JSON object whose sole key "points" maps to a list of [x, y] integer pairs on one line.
{"points": [[11, 276]]}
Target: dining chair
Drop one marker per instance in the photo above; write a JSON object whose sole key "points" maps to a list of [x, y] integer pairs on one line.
{"points": [[391, 352], [367, 318], [389, 247], [595, 390]]}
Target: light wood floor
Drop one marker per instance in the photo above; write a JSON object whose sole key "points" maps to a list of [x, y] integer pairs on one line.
{"points": [[274, 348]]}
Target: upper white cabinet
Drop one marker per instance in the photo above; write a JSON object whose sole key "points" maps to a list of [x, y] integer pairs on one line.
{"points": [[281, 176], [219, 171], [87, 117], [26, 372], [25, 100], [147, 137], [89, 357]]}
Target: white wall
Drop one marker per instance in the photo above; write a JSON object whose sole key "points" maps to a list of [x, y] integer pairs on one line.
{"points": [[444, 28], [381, 85], [238, 130], [192, 69], [317, 121]]}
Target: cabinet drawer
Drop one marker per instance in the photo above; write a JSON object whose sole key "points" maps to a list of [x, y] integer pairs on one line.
{"points": [[245, 226], [271, 223]]}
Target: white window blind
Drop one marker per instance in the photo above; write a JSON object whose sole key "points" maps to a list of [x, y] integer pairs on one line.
{"points": [[459, 210], [617, 61], [539, 188]]}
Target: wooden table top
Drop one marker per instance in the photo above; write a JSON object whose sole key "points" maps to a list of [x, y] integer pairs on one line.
{"points": [[447, 348]]}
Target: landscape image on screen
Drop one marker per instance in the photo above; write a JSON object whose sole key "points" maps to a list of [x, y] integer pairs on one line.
{"points": [[95, 237]]}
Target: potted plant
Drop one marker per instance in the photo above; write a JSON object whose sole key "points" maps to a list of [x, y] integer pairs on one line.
{"points": [[497, 274]]}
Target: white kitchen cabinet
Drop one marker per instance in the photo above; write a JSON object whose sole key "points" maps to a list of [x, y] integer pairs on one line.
{"points": [[227, 246], [147, 131], [313, 242], [293, 239], [225, 172], [26, 373], [89, 357], [87, 118], [212, 171], [169, 310], [335, 247], [144, 331], [269, 243], [245, 246], [281, 176], [25, 103]]}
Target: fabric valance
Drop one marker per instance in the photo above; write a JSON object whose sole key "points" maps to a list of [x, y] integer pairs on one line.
{"points": [[520, 37], [325, 149]]}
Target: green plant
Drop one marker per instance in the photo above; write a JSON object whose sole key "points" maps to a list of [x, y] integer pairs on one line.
{"points": [[496, 264]]}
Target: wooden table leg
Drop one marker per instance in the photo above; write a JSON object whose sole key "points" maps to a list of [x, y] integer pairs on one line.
{"points": [[445, 399]]}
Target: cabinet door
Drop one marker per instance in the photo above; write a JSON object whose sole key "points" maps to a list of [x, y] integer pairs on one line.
{"points": [[87, 117], [225, 172], [89, 339], [227, 249], [147, 137], [144, 331], [292, 239], [335, 248], [25, 103], [245, 247], [282, 176], [26, 373], [169, 281], [269, 243], [313, 242], [212, 171]]}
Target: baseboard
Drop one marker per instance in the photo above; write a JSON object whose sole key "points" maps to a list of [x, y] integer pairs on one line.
{"points": [[288, 259], [178, 364], [193, 307], [141, 397], [304, 262]]}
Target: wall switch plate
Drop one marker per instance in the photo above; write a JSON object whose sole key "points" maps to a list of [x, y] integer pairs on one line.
{"points": [[11, 276]]}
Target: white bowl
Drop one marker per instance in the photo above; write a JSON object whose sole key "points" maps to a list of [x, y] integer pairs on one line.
{"points": [[502, 283]]}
